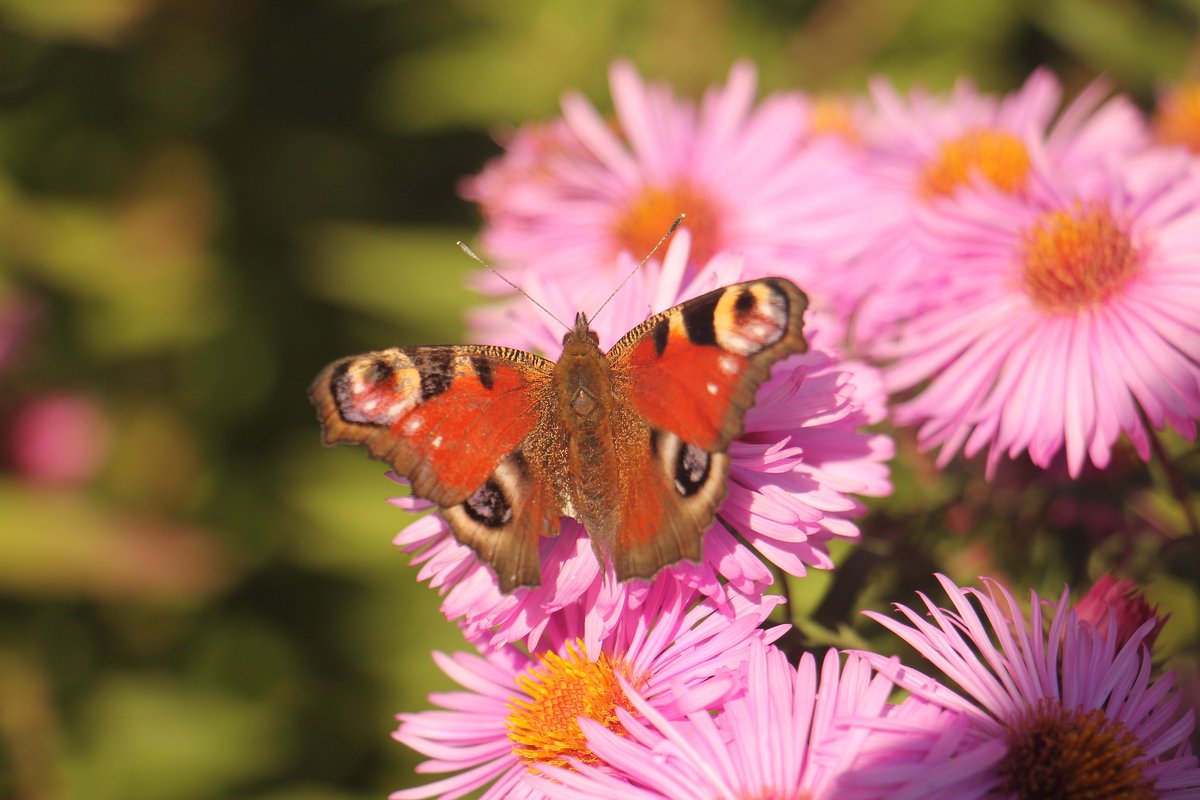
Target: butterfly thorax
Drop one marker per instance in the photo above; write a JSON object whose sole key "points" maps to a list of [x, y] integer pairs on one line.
{"points": [[583, 385], [582, 377]]}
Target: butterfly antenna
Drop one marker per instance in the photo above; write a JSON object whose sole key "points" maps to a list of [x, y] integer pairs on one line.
{"points": [[641, 263], [463, 246]]}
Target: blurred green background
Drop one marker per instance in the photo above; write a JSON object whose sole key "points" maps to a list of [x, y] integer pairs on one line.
{"points": [[203, 201]]}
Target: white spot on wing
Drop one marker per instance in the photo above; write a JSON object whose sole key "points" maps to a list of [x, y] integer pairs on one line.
{"points": [[712, 388]]}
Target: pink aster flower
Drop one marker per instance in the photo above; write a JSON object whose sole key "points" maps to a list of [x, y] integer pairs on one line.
{"points": [[787, 736], [1060, 319], [759, 179], [926, 148], [519, 710], [1079, 712], [59, 439], [797, 470]]}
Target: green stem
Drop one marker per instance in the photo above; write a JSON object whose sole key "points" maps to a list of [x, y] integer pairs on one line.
{"points": [[1175, 481]]}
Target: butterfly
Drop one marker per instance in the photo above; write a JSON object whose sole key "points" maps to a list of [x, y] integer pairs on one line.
{"points": [[632, 443]]}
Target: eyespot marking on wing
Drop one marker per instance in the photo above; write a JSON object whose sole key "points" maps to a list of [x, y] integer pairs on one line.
{"points": [[751, 318], [488, 506], [687, 465], [373, 391]]}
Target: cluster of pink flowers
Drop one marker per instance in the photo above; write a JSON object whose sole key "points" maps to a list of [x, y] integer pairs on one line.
{"points": [[1029, 278]]}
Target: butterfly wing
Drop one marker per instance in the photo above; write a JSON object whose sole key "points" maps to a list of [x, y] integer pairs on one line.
{"points": [[684, 380], [453, 420]]}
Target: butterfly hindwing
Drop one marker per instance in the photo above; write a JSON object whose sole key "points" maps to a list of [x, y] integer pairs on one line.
{"points": [[669, 493], [505, 518]]}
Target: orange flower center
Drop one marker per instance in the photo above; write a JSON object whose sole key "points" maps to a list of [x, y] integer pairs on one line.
{"points": [[1056, 752], [544, 728], [1177, 118], [1076, 259], [833, 116], [651, 213], [996, 156]]}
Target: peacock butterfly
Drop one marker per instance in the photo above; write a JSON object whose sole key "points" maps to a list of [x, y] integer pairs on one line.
{"points": [[631, 443]]}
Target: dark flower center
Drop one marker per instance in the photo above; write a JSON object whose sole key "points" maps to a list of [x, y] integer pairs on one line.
{"points": [[1056, 753]]}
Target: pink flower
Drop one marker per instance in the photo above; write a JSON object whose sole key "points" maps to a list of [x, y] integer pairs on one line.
{"points": [[519, 710], [1117, 603], [927, 148], [1058, 319], [571, 195], [1078, 710], [797, 469], [787, 736], [59, 439]]}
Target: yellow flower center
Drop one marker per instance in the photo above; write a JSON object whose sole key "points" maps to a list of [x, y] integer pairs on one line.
{"points": [[1177, 118], [544, 728], [833, 116], [1056, 752], [996, 156], [1076, 259], [650, 214]]}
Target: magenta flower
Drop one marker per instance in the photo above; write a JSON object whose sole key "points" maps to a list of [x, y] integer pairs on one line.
{"points": [[927, 148], [787, 736], [58, 439], [519, 711], [571, 195], [1079, 712], [1060, 319], [797, 469], [1116, 603]]}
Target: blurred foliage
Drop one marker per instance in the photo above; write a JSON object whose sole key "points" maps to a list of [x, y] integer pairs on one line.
{"points": [[203, 201]]}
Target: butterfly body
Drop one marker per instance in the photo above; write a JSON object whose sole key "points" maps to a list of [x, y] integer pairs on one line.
{"points": [[632, 444]]}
